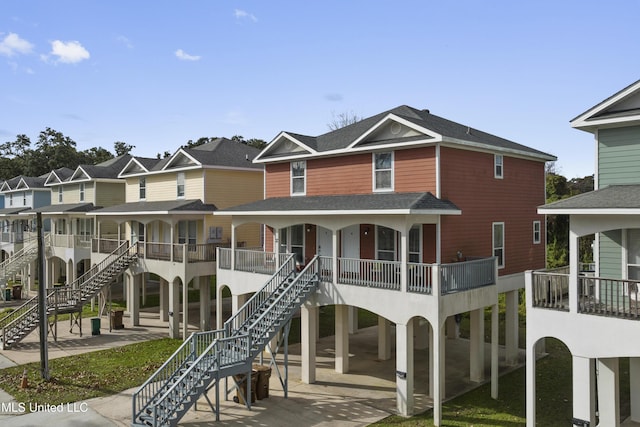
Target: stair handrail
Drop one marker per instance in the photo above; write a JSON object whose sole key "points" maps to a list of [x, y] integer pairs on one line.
{"points": [[9, 322], [114, 256], [286, 270], [195, 373], [188, 351], [306, 275], [29, 246]]}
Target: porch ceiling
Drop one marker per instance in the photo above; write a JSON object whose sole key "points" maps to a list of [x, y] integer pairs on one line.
{"points": [[612, 200], [352, 204]]}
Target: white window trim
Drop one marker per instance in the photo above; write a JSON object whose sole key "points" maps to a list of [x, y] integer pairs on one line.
{"points": [[419, 226], [538, 231], [303, 178], [373, 172], [395, 243], [495, 166], [81, 191], [140, 187], [493, 241], [60, 198], [184, 190]]}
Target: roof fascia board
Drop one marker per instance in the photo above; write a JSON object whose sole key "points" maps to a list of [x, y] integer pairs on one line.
{"points": [[456, 143], [394, 118], [590, 211], [133, 160], [272, 144], [343, 212], [48, 181], [77, 173], [20, 184], [177, 155], [142, 213], [581, 120], [364, 148]]}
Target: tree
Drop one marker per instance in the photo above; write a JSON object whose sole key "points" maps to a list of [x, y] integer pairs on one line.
{"points": [[94, 155], [122, 148], [343, 119]]}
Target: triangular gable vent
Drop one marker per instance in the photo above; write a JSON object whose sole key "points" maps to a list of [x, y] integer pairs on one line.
{"points": [[181, 160], [22, 185], [52, 179], [79, 175], [133, 168], [394, 129]]}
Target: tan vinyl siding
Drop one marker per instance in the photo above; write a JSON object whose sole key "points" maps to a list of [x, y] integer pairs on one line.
{"points": [[109, 194], [618, 156], [165, 186], [193, 184], [226, 188]]}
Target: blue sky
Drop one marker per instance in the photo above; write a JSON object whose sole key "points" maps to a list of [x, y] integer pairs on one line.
{"points": [[156, 74]]}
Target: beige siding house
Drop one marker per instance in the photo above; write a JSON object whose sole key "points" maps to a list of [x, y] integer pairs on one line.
{"points": [[168, 214]]}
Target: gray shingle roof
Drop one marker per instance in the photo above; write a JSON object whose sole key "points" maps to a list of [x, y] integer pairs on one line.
{"points": [[12, 211], [64, 208], [108, 169], [225, 152], [343, 137], [612, 197], [160, 207], [358, 202]]}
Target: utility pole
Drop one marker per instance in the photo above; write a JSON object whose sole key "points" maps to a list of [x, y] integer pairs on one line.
{"points": [[42, 302]]}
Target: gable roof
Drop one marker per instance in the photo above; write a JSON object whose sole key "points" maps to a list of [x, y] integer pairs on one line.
{"points": [[21, 183], [620, 109], [138, 165], [58, 175], [221, 152], [400, 126], [62, 209], [376, 203]]}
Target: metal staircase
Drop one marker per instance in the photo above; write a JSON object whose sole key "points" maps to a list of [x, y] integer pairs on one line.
{"points": [[17, 261], [207, 357], [69, 298]]}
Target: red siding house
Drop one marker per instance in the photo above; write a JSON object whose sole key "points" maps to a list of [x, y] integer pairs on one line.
{"points": [[411, 216]]}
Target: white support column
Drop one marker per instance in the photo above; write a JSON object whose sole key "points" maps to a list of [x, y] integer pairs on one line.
{"points": [[219, 322], [353, 319], [308, 320], [144, 288], [439, 372], [205, 303], [334, 259], [476, 345], [185, 303], [404, 368], [134, 283], [495, 367], [634, 381], [404, 258], [511, 327], [530, 370], [431, 349], [584, 389], [574, 262], [69, 271], [164, 299], [608, 392], [237, 301], [384, 338], [174, 309], [342, 339]]}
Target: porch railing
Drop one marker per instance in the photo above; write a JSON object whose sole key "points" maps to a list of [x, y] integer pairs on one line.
{"points": [[369, 272], [199, 252], [70, 241], [609, 297], [464, 276], [551, 289], [104, 246], [380, 274]]}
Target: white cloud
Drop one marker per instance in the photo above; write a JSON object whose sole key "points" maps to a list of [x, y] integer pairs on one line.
{"points": [[241, 14], [181, 54], [69, 52], [12, 44]]}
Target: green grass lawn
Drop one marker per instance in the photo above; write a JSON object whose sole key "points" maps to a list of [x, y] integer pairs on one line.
{"points": [[88, 375]]}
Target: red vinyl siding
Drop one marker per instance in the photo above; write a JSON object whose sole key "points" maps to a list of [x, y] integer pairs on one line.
{"points": [[339, 175], [468, 181], [415, 170]]}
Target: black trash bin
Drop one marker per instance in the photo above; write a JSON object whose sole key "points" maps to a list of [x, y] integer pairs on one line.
{"points": [[95, 326], [262, 384], [17, 291]]}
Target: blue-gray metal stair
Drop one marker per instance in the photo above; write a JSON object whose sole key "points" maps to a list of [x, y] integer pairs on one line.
{"points": [[17, 261], [69, 298], [207, 357]]}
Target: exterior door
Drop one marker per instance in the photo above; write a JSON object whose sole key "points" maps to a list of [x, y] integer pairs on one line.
{"points": [[325, 242], [350, 246]]}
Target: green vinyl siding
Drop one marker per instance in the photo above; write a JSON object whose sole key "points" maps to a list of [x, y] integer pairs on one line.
{"points": [[618, 156], [611, 254], [611, 266]]}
